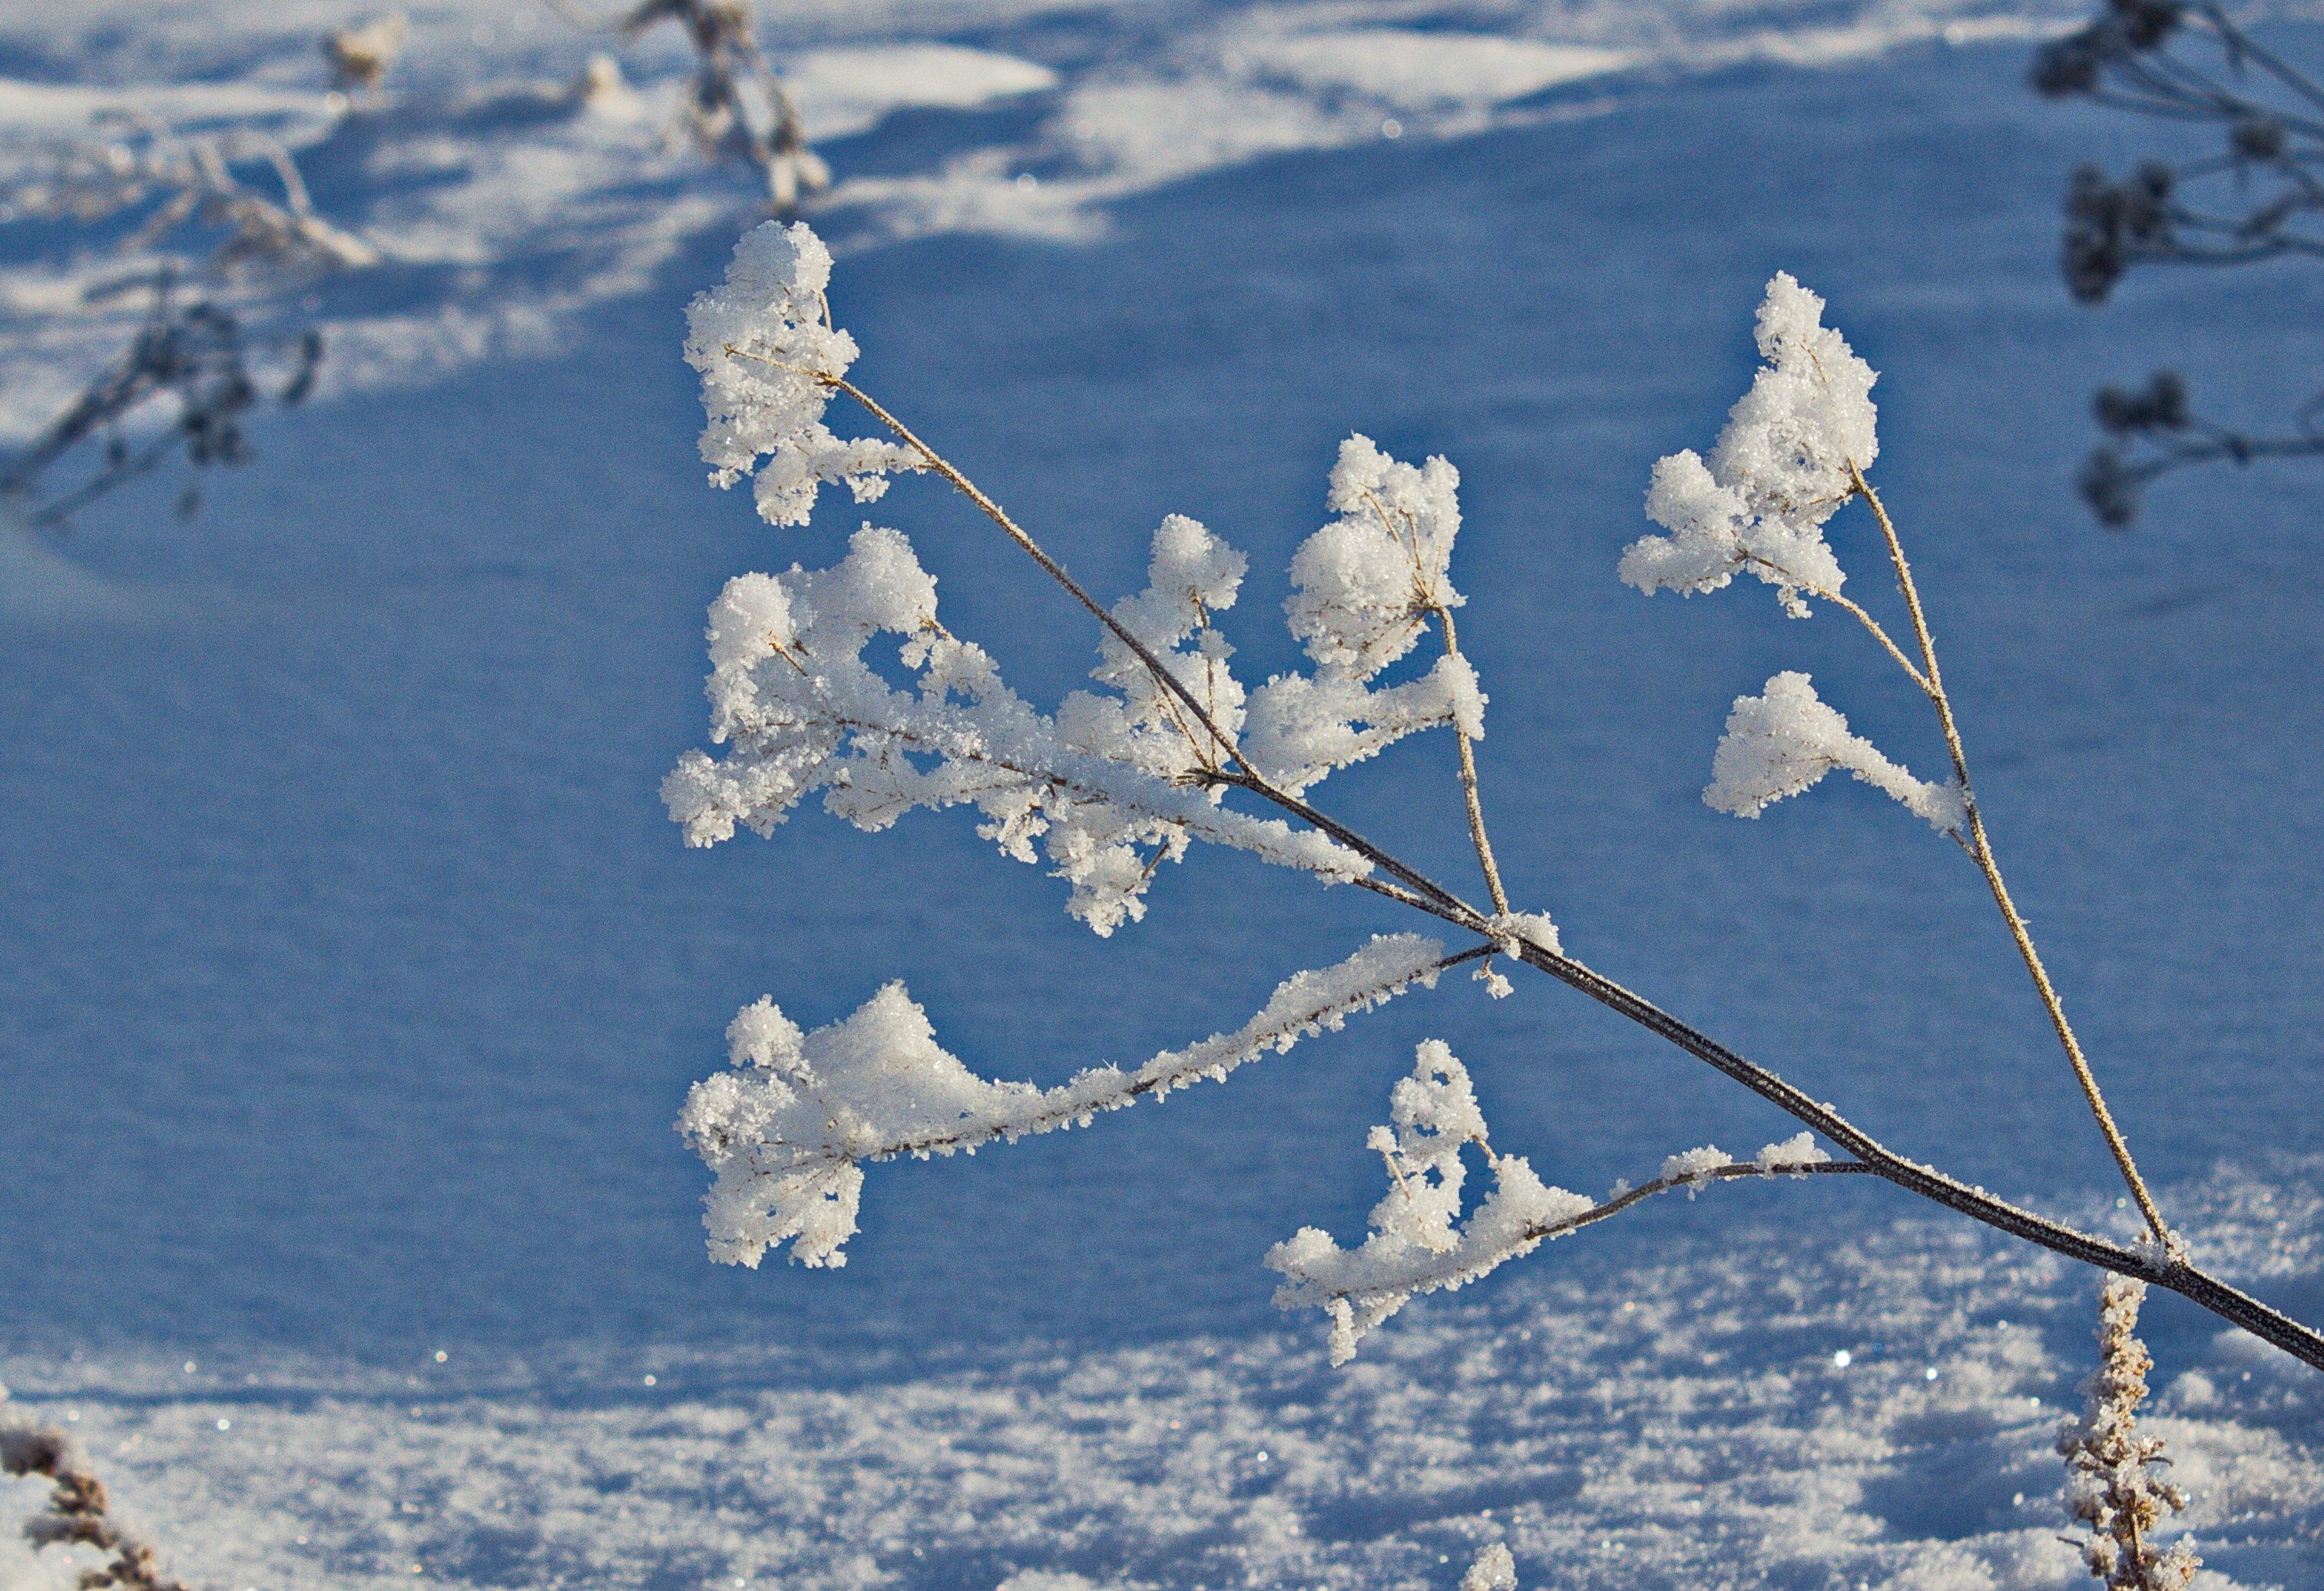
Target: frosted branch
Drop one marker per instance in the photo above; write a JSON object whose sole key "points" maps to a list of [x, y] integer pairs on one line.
{"points": [[802, 710], [768, 355], [1781, 743], [1363, 589], [1416, 1245], [789, 1129], [1783, 465], [2110, 1486]]}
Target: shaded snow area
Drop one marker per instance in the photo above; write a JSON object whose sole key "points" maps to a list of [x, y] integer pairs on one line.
{"points": [[1879, 1411], [505, 194], [356, 977]]}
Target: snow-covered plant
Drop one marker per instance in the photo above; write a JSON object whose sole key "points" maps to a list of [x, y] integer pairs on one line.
{"points": [[359, 57], [1492, 1569], [139, 165], [2253, 196], [1811, 443], [2109, 1485], [1794, 450], [77, 1513], [190, 364], [1171, 747], [736, 107]]}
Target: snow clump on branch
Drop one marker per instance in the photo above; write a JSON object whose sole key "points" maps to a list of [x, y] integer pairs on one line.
{"points": [[1784, 464], [1782, 742], [1363, 588], [792, 694], [1414, 1246], [789, 1129], [768, 354]]}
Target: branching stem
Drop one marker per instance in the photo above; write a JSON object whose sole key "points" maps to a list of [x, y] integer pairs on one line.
{"points": [[2162, 1262], [1981, 848], [1469, 791]]}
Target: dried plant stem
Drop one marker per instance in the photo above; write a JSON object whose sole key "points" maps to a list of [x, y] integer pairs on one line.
{"points": [[1605, 1208], [1443, 902], [1856, 610], [2163, 1270], [1981, 847], [2166, 1266], [77, 1511], [1477, 836]]}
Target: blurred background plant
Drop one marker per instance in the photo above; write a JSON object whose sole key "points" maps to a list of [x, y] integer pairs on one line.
{"points": [[2255, 195]]}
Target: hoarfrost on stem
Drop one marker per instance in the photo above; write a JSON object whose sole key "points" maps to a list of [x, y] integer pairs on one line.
{"points": [[1414, 1246], [1363, 589], [1784, 464], [1782, 742], [2109, 1486], [802, 710], [1492, 1569], [786, 1130], [768, 354]]}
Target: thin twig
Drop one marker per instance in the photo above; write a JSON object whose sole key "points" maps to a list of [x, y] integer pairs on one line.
{"points": [[1469, 790], [1446, 904], [1542, 1231], [2147, 1262], [1851, 607], [1981, 848]]}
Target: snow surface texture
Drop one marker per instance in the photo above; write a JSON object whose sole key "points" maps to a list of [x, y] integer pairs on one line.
{"points": [[509, 195], [1877, 1412]]}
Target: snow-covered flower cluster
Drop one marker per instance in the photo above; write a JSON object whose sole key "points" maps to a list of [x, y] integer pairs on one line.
{"points": [[802, 709], [1785, 463], [768, 354], [1120, 779], [1418, 1242], [1794, 451], [788, 1129], [1779, 743], [2110, 1486], [1362, 591]]}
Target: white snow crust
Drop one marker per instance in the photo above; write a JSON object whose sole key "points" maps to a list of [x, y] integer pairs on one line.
{"points": [[1782, 741], [1741, 1453]]}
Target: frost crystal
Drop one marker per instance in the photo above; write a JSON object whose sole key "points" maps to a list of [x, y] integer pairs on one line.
{"points": [[1800, 1149], [2109, 1486], [1414, 1246], [788, 1128], [1191, 576], [1363, 588], [1782, 467], [1493, 1569], [767, 350], [1781, 743], [801, 709], [1693, 1166]]}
